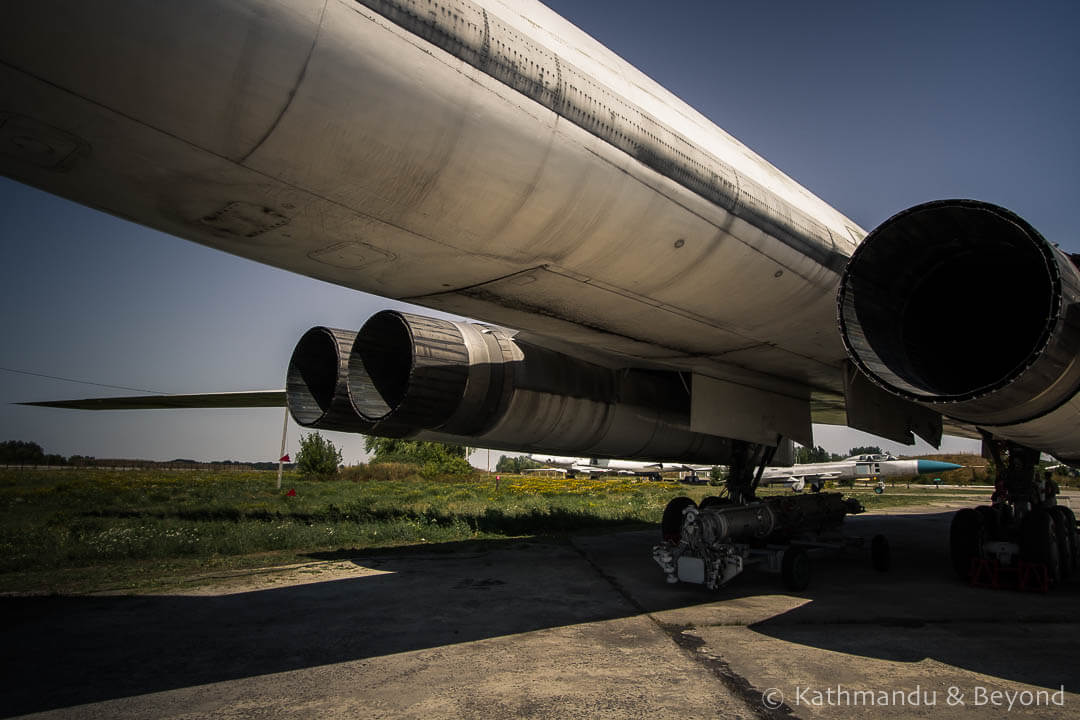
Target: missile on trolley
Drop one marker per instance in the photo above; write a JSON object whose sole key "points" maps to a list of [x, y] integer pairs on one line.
{"points": [[712, 543]]}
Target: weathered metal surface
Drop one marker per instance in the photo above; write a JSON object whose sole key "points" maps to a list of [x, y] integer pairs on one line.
{"points": [[872, 409], [383, 162], [744, 413], [317, 382], [479, 157], [413, 376], [931, 268], [492, 45]]}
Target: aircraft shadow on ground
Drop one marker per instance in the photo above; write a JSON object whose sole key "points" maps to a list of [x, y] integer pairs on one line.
{"points": [[65, 651], [921, 610]]}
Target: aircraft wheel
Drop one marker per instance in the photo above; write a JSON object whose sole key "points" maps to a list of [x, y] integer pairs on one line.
{"points": [[965, 540], [795, 569], [1070, 525], [1038, 542], [880, 554], [1066, 540], [671, 522], [991, 520]]}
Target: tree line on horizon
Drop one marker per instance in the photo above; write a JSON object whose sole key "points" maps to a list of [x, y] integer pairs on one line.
{"points": [[24, 452], [805, 455]]}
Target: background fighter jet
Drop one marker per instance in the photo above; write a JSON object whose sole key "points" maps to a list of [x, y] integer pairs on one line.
{"points": [[874, 467]]}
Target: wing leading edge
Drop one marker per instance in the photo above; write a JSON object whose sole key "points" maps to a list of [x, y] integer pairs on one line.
{"points": [[245, 399]]}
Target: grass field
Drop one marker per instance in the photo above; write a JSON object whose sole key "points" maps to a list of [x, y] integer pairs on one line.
{"points": [[101, 530]]}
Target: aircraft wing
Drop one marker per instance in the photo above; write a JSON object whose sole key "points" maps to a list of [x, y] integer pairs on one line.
{"points": [[245, 399], [822, 476]]}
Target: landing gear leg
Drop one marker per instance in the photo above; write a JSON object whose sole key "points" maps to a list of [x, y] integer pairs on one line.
{"points": [[1023, 514], [748, 461]]}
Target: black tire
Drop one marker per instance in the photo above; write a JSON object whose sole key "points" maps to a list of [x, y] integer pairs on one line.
{"points": [[1070, 525], [1065, 541], [991, 520], [1038, 542], [880, 554], [965, 540], [710, 501], [671, 522], [795, 569]]}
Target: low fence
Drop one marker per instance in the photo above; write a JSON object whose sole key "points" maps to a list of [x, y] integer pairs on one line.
{"points": [[137, 465]]}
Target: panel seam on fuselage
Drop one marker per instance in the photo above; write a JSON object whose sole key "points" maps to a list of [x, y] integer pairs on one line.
{"points": [[637, 132], [292, 91]]}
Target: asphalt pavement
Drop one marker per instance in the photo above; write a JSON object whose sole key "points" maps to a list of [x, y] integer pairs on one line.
{"points": [[584, 627]]}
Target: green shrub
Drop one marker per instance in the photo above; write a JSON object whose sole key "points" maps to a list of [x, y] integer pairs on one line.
{"points": [[318, 459], [447, 467]]}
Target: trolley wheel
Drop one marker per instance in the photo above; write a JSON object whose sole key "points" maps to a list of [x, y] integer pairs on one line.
{"points": [[795, 569], [965, 540], [671, 522], [880, 554]]}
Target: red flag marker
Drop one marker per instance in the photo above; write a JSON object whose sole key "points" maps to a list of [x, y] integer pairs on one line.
{"points": [[284, 458], [291, 493]]}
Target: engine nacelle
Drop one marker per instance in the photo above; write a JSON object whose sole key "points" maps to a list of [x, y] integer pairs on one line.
{"points": [[411, 376], [932, 278]]}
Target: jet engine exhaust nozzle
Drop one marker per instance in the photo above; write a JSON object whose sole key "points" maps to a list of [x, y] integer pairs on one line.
{"points": [[316, 387], [933, 277], [947, 270]]}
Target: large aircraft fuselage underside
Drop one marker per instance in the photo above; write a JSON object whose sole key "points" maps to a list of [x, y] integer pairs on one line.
{"points": [[482, 158]]}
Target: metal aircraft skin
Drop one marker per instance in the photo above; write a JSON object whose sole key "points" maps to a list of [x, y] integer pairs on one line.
{"points": [[873, 466], [489, 159]]}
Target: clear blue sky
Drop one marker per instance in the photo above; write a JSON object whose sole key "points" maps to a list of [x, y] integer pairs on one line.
{"points": [[874, 106]]}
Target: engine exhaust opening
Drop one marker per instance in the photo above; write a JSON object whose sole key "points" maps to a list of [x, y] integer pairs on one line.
{"points": [[931, 280], [407, 372], [380, 365], [313, 376]]}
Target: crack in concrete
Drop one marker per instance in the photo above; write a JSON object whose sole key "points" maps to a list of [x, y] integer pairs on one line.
{"points": [[692, 647]]}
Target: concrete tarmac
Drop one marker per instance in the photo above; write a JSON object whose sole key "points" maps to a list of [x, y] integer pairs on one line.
{"points": [[585, 628]]}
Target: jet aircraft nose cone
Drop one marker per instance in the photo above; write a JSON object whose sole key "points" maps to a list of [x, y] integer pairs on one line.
{"points": [[936, 466]]}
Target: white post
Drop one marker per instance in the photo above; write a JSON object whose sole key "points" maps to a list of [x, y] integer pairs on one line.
{"points": [[281, 455]]}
